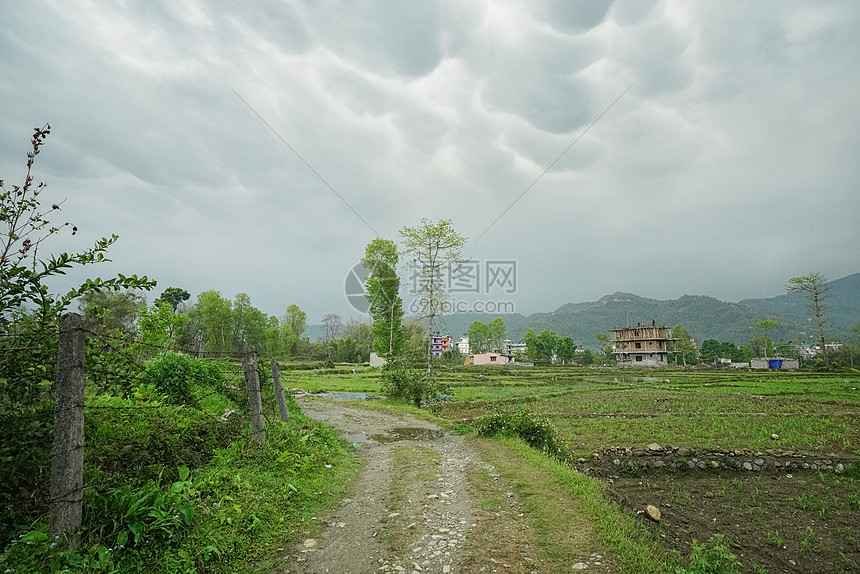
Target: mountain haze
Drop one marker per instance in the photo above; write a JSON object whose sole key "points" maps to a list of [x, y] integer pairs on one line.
{"points": [[704, 317]]}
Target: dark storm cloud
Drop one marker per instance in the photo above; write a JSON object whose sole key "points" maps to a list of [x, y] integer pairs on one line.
{"points": [[736, 146]]}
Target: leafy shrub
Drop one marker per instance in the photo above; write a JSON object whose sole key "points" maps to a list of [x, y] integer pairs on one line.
{"points": [[535, 430], [112, 373], [177, 375], [411, 385], [25, 467], [122, 526]]}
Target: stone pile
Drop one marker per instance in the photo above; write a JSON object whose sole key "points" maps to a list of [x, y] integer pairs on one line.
{"points": [[686, 458]]}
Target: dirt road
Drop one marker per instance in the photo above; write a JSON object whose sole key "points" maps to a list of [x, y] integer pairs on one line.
{"points": [[411, 510]]}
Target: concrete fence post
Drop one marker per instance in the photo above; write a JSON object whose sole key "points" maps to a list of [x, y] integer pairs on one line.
{"points": [[279, 391], [67, 454], [252, 378]]}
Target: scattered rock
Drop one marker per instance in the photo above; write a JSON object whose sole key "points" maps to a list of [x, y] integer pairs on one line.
{"points": [[684, 451], [654, 447], [774, 436], [310, 543], [579, 566], [653, 512]]}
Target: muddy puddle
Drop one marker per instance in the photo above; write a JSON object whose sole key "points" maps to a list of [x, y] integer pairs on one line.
{"points": [[406, 433]]}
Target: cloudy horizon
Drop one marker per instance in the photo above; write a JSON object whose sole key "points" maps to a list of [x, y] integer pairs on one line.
{"points": [[728, 166]]}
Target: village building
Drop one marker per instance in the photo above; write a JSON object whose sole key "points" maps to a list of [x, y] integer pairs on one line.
{"points": [[642, 345], [486, 359], [440, 343], [463, 345]]}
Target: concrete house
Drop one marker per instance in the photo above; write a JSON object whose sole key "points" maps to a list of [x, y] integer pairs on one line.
{"points": [[486, 359], [642, 345]]}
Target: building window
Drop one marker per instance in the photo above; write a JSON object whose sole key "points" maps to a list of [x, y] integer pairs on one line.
{"points": [[638, 358], [492, 359], [638, 345]]}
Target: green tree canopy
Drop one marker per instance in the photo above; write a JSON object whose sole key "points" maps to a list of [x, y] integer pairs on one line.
{"points": [[431, 247], [173, 296], [382, 289], [296, 319], [496, 333], [566, 350], [217, 321], [111, 312], [685, 349], [530, 339], [479, 337], [546, 343]]}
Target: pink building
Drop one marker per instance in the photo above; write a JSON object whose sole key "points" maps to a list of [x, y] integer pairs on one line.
{"points": [[486, 359]]}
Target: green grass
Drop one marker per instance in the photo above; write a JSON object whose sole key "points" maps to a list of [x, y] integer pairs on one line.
{"points": [[809, 412], [569, 513]]}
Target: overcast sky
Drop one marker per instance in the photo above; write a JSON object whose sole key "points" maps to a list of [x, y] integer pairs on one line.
{"points": [[729, 166]]}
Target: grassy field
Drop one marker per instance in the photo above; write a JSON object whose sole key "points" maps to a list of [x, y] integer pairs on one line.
{"points": [[749, 522], [599, 407]]}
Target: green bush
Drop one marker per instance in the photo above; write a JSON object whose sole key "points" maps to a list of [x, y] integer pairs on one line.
{"points": [[411, 385], [534, 429], [177, 375]]}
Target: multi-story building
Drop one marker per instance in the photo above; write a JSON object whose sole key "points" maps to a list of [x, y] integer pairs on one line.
{"points": [[440, 343], [463, 345], [510, 348], [642, 345]]}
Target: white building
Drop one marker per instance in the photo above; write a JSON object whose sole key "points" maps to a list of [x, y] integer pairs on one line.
{"points": [[463, 345]]}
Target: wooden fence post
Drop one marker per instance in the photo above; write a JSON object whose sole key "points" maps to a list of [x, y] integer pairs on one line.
{"points": [[252, 378], [67, 454], [279, 391]]}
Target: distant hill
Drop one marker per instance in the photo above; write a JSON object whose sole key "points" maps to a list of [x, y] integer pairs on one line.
{"points": [[705, 317], [842, 306]]}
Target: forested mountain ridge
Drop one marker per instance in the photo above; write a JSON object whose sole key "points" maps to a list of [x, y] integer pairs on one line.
{"points": [[704, 316]]}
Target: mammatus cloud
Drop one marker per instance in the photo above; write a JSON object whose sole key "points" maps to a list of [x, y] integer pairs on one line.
{"points": [[727, 168]]}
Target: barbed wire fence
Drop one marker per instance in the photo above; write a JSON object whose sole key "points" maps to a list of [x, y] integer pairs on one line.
{"points": [[67, 453]]}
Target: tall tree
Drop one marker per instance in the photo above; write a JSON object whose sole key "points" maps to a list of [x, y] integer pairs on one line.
{"points": [[496, 333], [431, 247], [764, 327], [216, 315], [606, 350], [816, 288], [111, 312], [566, 350], [173, 296], [479, 337], [530, 339], [710, 351], [296, 319], [685, 349], [249, 325], [158, 328], [547, 343], [383, 291], [332, 325]]}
